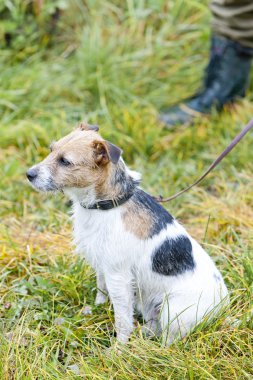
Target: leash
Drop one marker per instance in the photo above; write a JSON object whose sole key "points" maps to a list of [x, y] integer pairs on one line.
{"points": [[225, 152]]}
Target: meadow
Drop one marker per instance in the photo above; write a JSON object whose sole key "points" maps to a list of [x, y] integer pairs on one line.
{"points": [[116, 64]]}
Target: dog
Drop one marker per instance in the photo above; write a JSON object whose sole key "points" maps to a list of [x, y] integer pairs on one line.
{"points": [[143, 258]]}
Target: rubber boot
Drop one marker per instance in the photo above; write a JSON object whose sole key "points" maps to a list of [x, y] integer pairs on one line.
{"points": [[226, 79]]}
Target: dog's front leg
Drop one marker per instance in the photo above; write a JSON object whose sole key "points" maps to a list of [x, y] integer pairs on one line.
{"points": [[120, 290], [101, 289]]}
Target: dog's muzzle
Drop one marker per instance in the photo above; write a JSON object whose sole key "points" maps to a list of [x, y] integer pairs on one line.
{"points": [[41, 179]]}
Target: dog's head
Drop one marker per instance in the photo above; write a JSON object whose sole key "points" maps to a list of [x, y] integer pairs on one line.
{"points": [[78, 160]]}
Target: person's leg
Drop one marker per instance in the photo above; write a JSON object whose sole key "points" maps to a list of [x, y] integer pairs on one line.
{"points": [[227, 73], [233, 19]]}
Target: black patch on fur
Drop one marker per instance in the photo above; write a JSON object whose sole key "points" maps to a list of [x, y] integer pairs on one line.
{"points": [[126, 182], [160, 217], [173, 257]]}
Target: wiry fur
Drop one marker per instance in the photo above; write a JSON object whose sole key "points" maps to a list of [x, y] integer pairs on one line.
{"points": [[144, 259]]}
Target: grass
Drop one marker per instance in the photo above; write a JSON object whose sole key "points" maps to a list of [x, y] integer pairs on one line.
{"points": [[117, 64]]}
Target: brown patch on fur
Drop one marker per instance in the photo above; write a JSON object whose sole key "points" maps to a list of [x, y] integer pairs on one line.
{"points": [[137, 221], [81, 159], [78, 149], [101, 154], [104, 189]]}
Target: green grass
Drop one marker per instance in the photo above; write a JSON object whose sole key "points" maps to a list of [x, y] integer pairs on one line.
{"points": [[116, 64]]}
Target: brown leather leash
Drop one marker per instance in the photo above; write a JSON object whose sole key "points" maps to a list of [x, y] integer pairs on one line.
{"points": [[225, 152]]}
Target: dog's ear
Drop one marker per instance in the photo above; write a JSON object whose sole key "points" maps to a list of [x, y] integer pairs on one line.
{"points": [[114, 152], [104, 151], [88, 127]]}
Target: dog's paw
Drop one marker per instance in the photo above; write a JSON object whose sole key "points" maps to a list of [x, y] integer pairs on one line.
{"points": [[100, 299]]}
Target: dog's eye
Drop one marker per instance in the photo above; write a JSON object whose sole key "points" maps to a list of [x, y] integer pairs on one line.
{"points": [[63, 161]]}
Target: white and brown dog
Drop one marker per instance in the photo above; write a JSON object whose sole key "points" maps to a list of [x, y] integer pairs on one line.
{"points": [[143, 258]]}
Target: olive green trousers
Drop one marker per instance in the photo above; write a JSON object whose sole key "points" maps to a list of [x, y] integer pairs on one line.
{"points": [[233, 19]]}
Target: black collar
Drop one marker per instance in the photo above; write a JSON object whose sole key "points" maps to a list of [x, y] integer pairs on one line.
{"points": [[108, 204]]}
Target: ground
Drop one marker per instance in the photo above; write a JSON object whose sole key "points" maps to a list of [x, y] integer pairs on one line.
{"points": [[116, 64]]}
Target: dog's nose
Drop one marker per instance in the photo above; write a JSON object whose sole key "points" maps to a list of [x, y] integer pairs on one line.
{"points": [[31, 174]]}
